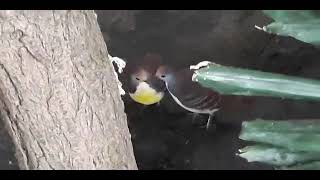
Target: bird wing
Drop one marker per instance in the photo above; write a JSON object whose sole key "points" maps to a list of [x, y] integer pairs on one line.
{"points": [[192, 94]]}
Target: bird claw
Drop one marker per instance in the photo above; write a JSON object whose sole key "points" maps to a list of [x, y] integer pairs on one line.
{"points": [[209, 127], [212, 127]]}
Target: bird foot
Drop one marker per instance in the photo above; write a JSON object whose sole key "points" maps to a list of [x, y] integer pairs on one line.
{"points": [[211, 127]]}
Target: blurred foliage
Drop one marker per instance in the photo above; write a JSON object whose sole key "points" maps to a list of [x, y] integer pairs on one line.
{"points": [[237, 81], [286, 145], [303, 25]]}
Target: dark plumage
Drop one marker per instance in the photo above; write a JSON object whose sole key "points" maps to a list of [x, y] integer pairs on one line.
{"points": [[189, 94], [140, 82]]}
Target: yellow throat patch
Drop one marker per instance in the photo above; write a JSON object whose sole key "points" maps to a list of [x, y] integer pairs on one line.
{"points": [[146, 95]]}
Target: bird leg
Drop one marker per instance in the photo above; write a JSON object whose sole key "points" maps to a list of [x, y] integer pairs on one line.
{"points": [[209, 123]]}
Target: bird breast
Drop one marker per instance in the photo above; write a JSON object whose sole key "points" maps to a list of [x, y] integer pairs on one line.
{"points": [[146, 95]]}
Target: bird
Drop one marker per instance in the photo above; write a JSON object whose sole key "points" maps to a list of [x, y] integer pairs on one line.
{"points": [[140, 82], [188, 94]]}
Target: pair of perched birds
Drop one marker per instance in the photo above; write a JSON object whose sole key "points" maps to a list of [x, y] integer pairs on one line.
{"points": [[148, 81]]}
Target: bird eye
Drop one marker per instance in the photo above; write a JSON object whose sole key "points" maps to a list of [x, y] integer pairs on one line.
{"points": [[137, 78], [163, 76]]}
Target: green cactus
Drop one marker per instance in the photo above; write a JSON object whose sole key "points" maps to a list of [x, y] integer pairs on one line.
{"points": [[245, 82], [286, 145], [276, 156], [282, 134], [303, 25]]}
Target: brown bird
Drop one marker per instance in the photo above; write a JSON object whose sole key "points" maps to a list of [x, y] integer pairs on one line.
{"points": [[190, 95]]}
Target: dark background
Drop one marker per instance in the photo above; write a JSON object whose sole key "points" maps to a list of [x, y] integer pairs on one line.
{"points": [[164, 138]]}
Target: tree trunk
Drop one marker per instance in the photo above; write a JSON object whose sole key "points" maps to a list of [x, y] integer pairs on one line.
{"points": [[58, 93]]}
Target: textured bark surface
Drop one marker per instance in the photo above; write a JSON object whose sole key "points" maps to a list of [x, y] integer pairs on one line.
{"points": [[58, 94]]}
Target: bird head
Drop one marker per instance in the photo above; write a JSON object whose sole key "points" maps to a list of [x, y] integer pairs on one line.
{"points": [[144, 87], [165, 73]]}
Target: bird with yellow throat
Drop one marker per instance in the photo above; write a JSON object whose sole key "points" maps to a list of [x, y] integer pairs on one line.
{"points": [[140, 81]]}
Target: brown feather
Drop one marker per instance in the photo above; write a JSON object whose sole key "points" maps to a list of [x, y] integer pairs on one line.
{"points": [[191, 94]]}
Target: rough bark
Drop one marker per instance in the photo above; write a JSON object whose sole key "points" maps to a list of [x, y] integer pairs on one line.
{"points": [[58, 94]]}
